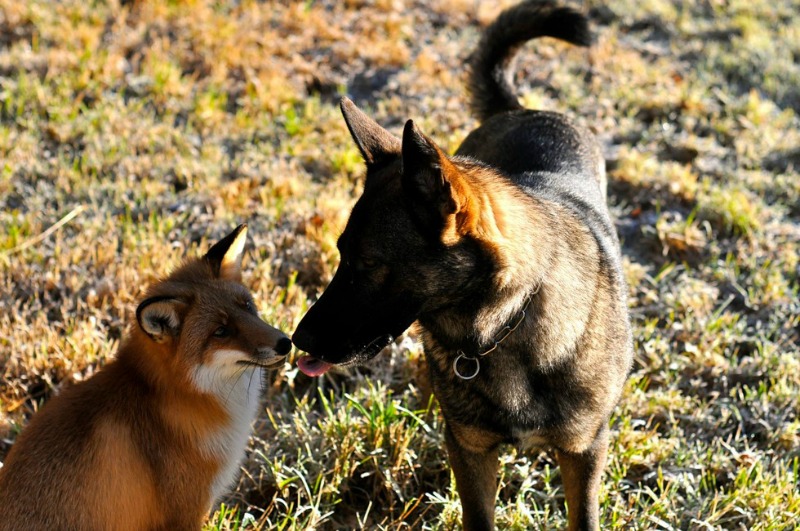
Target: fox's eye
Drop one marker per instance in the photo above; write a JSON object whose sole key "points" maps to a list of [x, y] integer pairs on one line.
{"points": [[222, 331]]}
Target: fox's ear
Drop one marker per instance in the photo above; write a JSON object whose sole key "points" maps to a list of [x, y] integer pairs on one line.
{"points": [[435, 186], [225, 257], [160, 317], [377, 145]]}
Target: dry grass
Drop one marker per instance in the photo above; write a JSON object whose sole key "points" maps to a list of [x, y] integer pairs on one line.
{"points": [[132, 135]]}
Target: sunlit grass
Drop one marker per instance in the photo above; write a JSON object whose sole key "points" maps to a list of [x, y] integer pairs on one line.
{"points": [[132, 136]]}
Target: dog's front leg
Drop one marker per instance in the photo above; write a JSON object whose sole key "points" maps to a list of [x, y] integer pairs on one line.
{"points": [[581, 474], [476, 481]]}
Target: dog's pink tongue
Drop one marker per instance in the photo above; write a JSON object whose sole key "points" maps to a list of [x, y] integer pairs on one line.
{"points": [[312, 366]]}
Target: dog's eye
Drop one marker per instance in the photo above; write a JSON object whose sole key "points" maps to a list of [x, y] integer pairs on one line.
{"points": [[369, 263], [222, 331]]}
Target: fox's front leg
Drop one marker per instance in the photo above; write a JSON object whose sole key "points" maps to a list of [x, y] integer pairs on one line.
{"points": [[476, 482]]}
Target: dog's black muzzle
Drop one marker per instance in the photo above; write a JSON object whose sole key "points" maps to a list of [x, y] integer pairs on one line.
{"points": [[338, 329]]}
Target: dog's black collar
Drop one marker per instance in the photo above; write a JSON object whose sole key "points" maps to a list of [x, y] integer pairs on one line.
{"points": [[475, 359]]}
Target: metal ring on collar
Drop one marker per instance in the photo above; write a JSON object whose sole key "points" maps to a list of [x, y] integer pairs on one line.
{"points": [[477, 366]]}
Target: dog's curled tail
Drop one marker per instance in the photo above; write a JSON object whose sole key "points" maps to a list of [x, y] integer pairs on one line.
{"points": [[488, 82]]}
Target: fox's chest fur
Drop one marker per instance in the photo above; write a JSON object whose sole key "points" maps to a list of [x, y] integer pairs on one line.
{"points": [[239, 396]]}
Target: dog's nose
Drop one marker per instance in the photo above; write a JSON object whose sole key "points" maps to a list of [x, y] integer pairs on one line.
{"points": [[303, 340], [284, 346]]}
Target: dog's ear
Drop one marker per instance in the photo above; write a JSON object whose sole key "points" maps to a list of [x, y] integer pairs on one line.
{"points": [[425, 171], [225, 257], [161, 317], [441, 196], [377, 145]]}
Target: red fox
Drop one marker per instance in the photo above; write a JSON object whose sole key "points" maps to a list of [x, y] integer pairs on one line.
{"points": [[153, 439]]}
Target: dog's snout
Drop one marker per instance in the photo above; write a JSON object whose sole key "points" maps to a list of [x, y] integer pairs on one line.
{"points": [[284, 346], [302, 339]]}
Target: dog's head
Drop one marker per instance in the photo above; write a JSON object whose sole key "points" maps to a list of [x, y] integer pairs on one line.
{"points": [[405, 249]]}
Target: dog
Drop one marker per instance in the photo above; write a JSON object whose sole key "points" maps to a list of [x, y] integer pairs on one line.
{"points": [[156, 436], [506, 256]]}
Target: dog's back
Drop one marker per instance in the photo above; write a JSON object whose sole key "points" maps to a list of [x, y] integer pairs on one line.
{"points": [[553, 145], [152, 439], [562, 162]]}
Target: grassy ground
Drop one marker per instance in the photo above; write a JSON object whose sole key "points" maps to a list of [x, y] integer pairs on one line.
{"points": [[132, 135]]}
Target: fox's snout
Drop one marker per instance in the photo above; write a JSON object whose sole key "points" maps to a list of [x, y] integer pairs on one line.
{"points": [[267, 339]]}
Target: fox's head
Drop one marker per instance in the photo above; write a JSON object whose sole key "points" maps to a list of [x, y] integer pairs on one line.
{"points": [[201, 325]]}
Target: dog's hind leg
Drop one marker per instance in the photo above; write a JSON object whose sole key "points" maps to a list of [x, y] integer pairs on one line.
{"points": [[581, 474], [476, 482]]}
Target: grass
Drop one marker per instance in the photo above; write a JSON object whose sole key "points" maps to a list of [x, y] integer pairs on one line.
{"points": [[133, 135]]}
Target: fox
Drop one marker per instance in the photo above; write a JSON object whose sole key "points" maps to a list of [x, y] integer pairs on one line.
{"points": [[157, 435]]}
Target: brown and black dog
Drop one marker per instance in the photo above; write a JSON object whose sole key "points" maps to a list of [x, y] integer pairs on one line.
{"points": [[506, 256]]}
